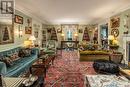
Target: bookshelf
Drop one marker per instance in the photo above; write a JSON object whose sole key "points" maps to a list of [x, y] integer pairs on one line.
{"points": [[86, 35]]}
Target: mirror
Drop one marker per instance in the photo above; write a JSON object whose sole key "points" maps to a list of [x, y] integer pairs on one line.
{"points": [[6, 22]]}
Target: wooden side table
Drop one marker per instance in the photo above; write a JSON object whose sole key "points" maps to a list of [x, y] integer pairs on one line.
{"points": [[117, 58], [44, 63]]}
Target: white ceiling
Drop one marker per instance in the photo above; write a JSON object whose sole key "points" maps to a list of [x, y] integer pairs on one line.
{"points": [[73, 11]]}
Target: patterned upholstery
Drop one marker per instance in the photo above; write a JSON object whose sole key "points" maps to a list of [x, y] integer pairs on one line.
{"points": [[20, 65]]}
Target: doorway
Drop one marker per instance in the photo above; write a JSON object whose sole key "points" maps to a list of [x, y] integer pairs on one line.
{"points": [[104, 36]]}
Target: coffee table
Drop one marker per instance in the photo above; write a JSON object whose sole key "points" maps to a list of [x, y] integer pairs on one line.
{"points": [[106, 81], [43, 62]]}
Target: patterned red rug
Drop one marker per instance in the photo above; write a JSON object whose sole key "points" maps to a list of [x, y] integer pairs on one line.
{"points": [[68, 71]]}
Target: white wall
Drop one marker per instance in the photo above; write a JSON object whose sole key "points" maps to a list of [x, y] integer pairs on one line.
{"points": [[18, 41], [39, 29]]}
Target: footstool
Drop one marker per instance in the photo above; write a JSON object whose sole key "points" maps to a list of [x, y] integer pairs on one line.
{"points": [[105, 67]]}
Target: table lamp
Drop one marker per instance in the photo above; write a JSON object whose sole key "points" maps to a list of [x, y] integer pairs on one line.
{"points": [[27, 43], [115, 42], [76, 36], [62, 36], [111, 38], [32, 38]]}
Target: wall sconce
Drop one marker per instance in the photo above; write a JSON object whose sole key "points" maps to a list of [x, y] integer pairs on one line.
{"points": [[19, 32], [76, 36], [126, 21], [62, 35]]}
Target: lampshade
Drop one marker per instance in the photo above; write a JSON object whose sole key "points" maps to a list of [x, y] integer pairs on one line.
{"points": [[32, 38], [62, 34], [27, 43], [110, 37], [75, 34], [115, 42]]}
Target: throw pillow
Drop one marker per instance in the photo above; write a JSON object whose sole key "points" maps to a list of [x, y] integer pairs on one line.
{"points": [[7, 61], [14, 57], [27, 52], [24, 53], [21, 53]]}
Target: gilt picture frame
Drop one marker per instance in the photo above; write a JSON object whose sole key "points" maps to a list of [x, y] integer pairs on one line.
{"points": [[6, 34], [18, 19], [115, 22], [28, 30]]}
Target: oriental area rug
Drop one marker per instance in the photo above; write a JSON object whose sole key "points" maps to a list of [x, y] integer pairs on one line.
{"points": [[68, 71]]}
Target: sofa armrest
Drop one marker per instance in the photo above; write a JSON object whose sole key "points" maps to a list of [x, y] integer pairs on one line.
{"points": [[3, 68], [35, 51]]}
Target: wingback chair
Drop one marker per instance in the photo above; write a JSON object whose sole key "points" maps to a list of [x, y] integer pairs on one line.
{"points": [[51, 46]]}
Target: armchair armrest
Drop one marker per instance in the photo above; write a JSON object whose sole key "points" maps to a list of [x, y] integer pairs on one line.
{"points": [[3, 68]]}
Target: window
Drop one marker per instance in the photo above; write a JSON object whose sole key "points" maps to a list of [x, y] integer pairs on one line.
{"points": [[69, 35]]}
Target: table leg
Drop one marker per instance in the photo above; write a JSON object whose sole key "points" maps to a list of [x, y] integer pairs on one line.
{"points": [[30, 70], [45, 70], [41, 81]]}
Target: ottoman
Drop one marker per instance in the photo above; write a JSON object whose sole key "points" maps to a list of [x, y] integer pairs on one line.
{"points": [[105, 67]]}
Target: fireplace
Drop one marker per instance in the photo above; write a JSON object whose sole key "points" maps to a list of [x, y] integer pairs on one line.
{"points": [[128, 52], [126, 49]]}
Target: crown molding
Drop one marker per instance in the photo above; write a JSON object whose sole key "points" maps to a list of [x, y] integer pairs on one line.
{"points": [[117, 12], [27, 12]]}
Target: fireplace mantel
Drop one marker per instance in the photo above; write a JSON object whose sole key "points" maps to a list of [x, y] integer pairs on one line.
{"points": [[126, 35], [126, 42]]}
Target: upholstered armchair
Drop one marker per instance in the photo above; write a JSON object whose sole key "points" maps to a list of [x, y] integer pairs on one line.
{"points": [[51, 47]]}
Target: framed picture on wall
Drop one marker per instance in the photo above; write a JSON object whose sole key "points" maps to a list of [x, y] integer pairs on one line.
{"points": [[115, 22], [18, 19], [28, 30], [6, 34]]}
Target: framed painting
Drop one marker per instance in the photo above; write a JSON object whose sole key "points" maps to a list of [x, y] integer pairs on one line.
{"points": [[6, 34], [28, 30], [115, 22], [18, 19]]}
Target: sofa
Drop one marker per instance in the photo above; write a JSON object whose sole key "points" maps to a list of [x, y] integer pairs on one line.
{"points": [[18, 66], [89, 55]]}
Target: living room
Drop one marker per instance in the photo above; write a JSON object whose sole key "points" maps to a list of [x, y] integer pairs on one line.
{"points": [[68, 43]]}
